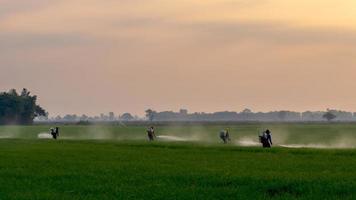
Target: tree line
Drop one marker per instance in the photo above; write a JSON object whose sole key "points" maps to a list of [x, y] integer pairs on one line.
{"points": [[184, 116], [22, 108], [109, 117], [248, 115], [18, 108]]}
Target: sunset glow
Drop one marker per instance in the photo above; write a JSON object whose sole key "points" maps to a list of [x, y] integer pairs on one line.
{"points": [[211, 55]]}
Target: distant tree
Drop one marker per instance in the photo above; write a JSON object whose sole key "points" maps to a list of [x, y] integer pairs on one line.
{"points": [[183, 111], [71, 118], [329, 116], [246, 114], [84, 118], [246, 110], [282, 115], [150, 114], [126, 117], [19, 109], [58, 118], [111, 116]]}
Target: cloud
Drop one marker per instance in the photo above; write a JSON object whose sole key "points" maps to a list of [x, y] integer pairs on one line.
{"points": [[202, 54], [11, 7], [277, 33], [31, 41]]}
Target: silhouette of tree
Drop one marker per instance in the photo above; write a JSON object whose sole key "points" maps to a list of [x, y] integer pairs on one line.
{"points": [[19, 109], [126, 117], [150, 114], [247, 111], [329, 116]]}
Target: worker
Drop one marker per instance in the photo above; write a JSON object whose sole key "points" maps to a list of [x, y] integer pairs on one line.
{"points": [[53, 133], [57, 132], [269, 137], [266, 139], [151, 133], [225, 136]]}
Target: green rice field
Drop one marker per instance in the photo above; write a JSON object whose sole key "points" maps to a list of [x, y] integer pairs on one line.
{"points": [[308, 161]]}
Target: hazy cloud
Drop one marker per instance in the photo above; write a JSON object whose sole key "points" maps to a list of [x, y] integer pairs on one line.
{"points": [[204, 55]]}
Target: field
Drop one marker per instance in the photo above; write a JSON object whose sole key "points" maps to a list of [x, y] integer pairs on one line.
{"points": [[115, 162]]}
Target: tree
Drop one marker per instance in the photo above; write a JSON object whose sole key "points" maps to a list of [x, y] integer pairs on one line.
{"points": [[84, 118], [329, 116], [71, 118], [282, 115], [126, 117], [150, 114], [58, 118], [183, 111], [19, 109], [247, 111], [111, 116]]}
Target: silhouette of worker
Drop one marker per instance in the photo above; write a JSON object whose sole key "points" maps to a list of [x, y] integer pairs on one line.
{"points": [[53, 133], [266, 139], [57, 132], [151, 133], [269, 137], [225, 135]]}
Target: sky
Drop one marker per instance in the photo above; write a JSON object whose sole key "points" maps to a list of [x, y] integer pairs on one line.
{"points": [[94, 56]]}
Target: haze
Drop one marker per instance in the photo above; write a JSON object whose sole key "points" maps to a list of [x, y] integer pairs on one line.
{"points": [[93, 56]]}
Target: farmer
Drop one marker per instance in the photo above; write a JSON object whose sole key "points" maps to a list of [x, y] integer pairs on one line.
{"points": [[225, 136], [53, 133], [266, 139], [57, 132], [151, 133], [269, 137]]}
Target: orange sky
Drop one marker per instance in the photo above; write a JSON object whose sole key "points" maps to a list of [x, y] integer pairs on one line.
{"points": [[92, 56]]}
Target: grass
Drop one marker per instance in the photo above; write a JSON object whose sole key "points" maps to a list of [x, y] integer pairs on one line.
{"points": [[136, 169], [44, 169], [326, 134]]}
